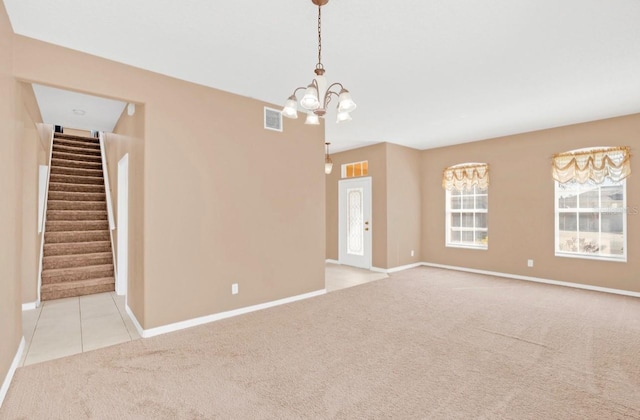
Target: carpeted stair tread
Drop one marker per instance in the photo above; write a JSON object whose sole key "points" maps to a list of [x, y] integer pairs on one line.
{"points": [[79, 150], [75, 205], [74, 156], [59, 275], [77, 138], [74, 248], [77, 260], [75, 143], [54, 215], [76, 196], [76, 288], [66, 186], [77, 236], [68, 163], [61, 170], [76, 225], [77, 179]]}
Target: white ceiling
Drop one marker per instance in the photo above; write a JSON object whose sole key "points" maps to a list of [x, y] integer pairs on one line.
{"points": [[425, 73], [76, 110]]}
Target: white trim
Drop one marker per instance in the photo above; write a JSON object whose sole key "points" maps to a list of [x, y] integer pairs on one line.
{"points": [[216, 317], [12, 371], [29, 306], [332, 261], [403, 267], [134, 320], [396, 269], [43, 180], [537, 280]]}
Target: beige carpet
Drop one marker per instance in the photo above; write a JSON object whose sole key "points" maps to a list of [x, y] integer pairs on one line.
{"points": [[424, 343]]}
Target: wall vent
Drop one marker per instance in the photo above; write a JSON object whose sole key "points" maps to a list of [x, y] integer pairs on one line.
{"points": [[272, 119]]}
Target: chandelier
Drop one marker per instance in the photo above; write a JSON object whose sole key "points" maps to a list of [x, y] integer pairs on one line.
{"points": [[317, 95]]}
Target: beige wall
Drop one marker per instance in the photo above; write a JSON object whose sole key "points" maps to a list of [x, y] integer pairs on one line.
{"points": [[377, 157], [10, 203], [128, 138], [224, 200], [521, 205], [404, 207]]}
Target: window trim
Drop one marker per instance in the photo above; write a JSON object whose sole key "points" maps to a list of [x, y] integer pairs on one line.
{"points": [[600, 210], [448, 228]]}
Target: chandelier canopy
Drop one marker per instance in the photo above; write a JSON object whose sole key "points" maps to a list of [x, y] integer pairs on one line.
{"points": [[317, 95]]}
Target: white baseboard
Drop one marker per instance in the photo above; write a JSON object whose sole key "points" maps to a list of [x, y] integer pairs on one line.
{"points": [[29, 306], [332, 261], [12, 371], [134, 320], [536, 280], [216, 317], [396, 269]]}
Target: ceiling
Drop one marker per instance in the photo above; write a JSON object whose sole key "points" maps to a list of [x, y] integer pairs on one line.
{"points": [[425, 73], [77, 110]]}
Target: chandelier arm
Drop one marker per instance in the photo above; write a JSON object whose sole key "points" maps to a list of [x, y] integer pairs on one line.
{"points": [[296, 91], [327, 97], [335, 84]]}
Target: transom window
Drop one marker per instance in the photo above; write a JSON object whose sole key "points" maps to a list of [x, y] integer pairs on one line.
{"points": [[591, 203], [355, 169]]}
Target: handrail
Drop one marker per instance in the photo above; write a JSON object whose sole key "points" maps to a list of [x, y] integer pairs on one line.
{"points": [[107, 188]]}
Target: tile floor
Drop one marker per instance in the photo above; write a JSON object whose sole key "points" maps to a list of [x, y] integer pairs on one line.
{"points": [[63, 327], [342, 276]]}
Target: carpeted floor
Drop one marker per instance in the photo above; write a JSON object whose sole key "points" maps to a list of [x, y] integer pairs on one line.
{"points": [[424, 343]]}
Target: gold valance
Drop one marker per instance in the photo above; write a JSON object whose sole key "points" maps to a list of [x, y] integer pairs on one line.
{"points": [[465, 176], [592, 164]]}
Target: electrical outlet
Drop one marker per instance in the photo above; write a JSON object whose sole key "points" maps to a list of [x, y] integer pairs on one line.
{"points": [[529, 263], [413, 253], [234, 289]]}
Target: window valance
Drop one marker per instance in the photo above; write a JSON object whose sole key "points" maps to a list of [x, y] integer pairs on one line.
{"points": [[465, 176], [592, 164]]}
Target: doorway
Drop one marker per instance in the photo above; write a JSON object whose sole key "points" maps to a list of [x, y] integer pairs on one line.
{"points": [[354, 222]]}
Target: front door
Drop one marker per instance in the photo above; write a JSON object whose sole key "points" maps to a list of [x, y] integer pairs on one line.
{"points": [[354, 231]]}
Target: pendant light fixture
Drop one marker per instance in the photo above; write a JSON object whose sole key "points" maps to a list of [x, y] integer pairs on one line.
{"points": [[317, 95], [328, 164]]}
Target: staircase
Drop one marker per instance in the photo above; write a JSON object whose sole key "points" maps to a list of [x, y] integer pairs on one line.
{"points": [[77, 257]]}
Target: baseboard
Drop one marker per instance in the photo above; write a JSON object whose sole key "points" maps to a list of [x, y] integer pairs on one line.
{"points": [[536, 280], [134, 320], [332, 261], [29, 306], [396, 269], [12, 371], [216, 317]]}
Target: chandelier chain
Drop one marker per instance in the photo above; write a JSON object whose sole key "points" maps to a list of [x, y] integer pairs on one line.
{"points": [[319, 65]]}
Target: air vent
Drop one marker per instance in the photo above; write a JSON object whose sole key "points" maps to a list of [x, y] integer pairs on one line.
{"points": [[272, 119]]}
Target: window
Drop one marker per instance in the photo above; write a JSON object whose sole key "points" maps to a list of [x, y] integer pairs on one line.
{"points": [[467, 218], [467, 204], [591, 203], [355, 169], [591, 219]]}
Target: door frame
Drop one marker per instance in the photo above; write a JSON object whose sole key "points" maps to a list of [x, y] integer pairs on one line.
{"points": [[123, 226], [368, 201]]}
